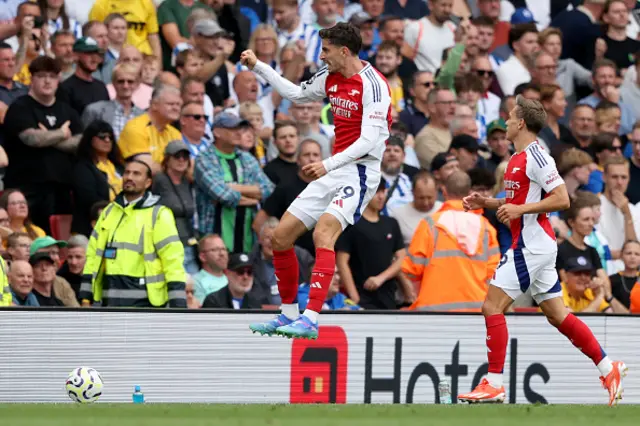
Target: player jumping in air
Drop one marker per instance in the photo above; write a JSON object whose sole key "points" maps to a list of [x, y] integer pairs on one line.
{"points": [[534, 188], [344, 183]]}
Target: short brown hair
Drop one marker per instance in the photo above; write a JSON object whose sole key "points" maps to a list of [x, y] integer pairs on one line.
{"points": [[548, 32], [468, 83], [12, 239], [282, 124], [389, 45], [608, 4], [571, 159], [44, 64], [288, 3], [183, 56], [615, 161], [482, 21], [548, 91], [603, 63], [587, 198], [574, 210], [532, 112], [112, 17]]}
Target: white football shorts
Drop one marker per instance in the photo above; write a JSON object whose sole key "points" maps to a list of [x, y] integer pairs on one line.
{"points": [[521, 271], [343, 192]]}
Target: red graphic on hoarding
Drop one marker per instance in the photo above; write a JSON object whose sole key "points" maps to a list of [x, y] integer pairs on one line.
{"points": [[319, 368]]}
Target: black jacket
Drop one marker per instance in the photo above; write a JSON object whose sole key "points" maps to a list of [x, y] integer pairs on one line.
{"points": [[222, 299], [89, 185]]}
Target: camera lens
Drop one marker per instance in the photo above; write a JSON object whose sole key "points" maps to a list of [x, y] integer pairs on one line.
{"points": [[38, 21]]}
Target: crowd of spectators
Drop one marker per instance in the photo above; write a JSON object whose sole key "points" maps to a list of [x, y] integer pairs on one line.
{"points": [[86, 85]]}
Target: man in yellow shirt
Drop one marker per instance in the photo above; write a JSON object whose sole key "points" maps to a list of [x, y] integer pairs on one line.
{"points": [[146, 136], [581, 292], [142, 22]]}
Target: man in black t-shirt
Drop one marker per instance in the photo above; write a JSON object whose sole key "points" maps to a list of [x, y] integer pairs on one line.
{"points": [[620, 48], [284, 168], [277, 204], [81, 89], [40, 134], [369, 257], [44, 274]]}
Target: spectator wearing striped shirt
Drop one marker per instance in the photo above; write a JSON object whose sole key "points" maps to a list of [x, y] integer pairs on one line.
{"points": [[57, 18], [290, 28], [397, 175]]}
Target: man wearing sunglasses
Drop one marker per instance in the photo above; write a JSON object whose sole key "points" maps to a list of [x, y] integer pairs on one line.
{"points": [[416, 114], [236, 294], [489, 104]]}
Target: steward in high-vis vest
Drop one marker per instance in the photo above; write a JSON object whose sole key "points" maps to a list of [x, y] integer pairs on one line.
{"points": [[135, 257], [453, 254], [5, 290]]}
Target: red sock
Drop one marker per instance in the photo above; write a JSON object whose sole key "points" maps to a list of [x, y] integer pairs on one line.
{"points": [[497, 339], [321, 278], [285, 264], [582, 338]]}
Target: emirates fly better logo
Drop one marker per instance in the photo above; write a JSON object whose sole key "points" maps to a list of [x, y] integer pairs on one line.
{"points": [[319, 368]]}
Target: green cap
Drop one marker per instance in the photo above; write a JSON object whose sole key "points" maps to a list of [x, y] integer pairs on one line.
{"points": [[498, 124], [44, 242], [86, 45]]}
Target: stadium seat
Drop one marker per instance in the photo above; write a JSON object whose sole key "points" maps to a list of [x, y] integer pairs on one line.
{"points": [[60, 225]]}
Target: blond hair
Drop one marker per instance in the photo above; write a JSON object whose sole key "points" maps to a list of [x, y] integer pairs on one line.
{"points": [[266, 28], [571, 159], [532, 112], [500, 171], [126, 68], [248, 109], [548, 32]]}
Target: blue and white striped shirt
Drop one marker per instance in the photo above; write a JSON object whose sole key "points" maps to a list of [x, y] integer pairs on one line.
{"points": [[57, 25], [307, 34]]}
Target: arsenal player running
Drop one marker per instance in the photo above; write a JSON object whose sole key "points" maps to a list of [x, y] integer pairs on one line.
{"points": [[344, 183], [534, 188]]}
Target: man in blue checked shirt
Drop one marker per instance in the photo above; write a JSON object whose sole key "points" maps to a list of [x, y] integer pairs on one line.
{"points": [[229, 186]]}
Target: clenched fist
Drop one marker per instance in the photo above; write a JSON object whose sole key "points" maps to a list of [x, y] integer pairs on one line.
{"points": [[248, 59]]}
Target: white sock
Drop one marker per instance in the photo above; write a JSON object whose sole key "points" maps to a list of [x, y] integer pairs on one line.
{"points": [[312, 315], [495, 379], [605, 366], [291, 311]]}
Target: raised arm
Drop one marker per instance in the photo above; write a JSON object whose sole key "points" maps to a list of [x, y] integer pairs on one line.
{"points": [[309, 91]]}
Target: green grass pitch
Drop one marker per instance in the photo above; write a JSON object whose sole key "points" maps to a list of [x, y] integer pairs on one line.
{"points": [[314, 415]]}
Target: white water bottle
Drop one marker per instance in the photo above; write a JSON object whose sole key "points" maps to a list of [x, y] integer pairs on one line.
{"points": [[445, 392]]}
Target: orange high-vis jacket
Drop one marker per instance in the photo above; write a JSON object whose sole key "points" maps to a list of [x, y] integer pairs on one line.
{"points": [[453, 254]]}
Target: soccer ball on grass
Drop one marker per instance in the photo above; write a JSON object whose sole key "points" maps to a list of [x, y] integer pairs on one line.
{"points": [[84, 385]]}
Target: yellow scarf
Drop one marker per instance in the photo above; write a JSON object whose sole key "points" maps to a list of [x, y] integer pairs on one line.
{"points": [[113, 178]]}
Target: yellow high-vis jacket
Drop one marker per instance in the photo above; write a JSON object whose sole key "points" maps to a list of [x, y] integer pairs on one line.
{"points": [[135, 257], [5, 290]]}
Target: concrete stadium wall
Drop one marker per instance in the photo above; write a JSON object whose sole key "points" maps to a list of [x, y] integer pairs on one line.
{"points": [[371, 358]]}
